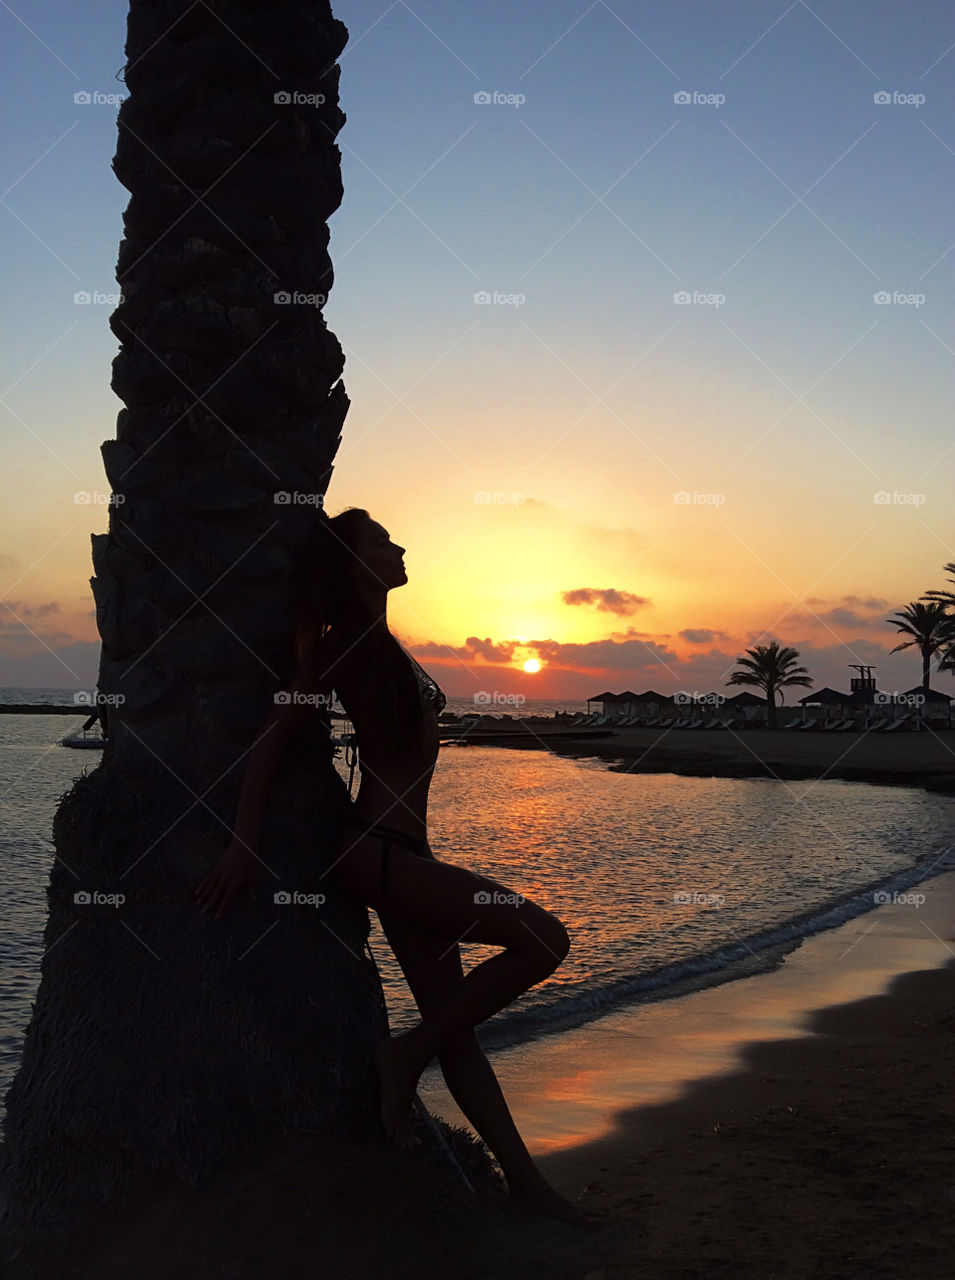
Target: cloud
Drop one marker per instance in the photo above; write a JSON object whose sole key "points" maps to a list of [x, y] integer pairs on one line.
{"points": [[24, 628], [607, 599], [701, 635]]}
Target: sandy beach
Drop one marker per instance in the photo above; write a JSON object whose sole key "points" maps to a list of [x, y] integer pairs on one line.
{"points": [[925, 759], [795, 1123]]}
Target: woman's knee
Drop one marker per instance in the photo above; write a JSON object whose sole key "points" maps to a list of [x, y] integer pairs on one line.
{"points": [[547, 940]]}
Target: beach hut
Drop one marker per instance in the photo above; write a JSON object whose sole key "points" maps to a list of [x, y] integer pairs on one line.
{"points": [[829, 699], [608, 702], [746, 706], [651, 704], [936, 709]]}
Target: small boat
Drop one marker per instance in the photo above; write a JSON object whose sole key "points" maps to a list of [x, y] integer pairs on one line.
{"points": [[85, 737]]}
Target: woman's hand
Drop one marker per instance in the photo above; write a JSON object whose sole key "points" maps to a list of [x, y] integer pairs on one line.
{"points": [[236, 871]]}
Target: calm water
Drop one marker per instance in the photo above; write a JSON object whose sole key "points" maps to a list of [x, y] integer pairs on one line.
{"points": [[661, 880]]}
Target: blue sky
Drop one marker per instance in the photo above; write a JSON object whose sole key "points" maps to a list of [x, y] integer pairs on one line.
{"points": [[781, 198]]}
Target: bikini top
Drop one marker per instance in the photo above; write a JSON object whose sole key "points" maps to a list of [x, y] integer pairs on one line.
{"points": [[431, 696]]}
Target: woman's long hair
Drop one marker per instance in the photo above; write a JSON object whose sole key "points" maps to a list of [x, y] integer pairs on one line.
{"points": [[328, 609]]}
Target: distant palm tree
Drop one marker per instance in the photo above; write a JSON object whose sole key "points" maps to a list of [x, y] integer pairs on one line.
{"points": [[771, 668], [947, 661], [931, 628]]}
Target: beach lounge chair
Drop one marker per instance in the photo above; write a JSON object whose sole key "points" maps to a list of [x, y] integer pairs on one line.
{"points": [[810, 723], [900, 723], [795, 724], [682, 722], [578, 720], [698, 724], [831, 726], [879, 724]]}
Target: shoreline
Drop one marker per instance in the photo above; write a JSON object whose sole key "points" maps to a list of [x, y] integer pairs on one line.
{"points": [[802, 1115], [925, 760]]}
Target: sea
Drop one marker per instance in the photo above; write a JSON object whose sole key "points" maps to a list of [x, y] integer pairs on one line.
{"points": [[665, 883]]}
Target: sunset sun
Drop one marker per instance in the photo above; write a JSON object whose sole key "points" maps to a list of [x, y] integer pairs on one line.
{"points": [[532, 665]]}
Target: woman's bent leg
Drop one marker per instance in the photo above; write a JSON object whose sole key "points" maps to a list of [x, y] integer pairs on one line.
{"points": [[433, 971], [456, 905]]}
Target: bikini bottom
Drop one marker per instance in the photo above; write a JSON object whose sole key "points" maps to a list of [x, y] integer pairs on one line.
{"points": [[389, 836]]}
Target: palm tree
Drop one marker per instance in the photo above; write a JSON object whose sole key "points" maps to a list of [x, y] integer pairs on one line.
{"points": [[931, 628], [947, 661], [162, 1039], [771, 669]]}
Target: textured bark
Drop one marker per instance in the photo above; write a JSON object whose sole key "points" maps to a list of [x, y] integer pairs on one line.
{"points": [[162, 1039]]}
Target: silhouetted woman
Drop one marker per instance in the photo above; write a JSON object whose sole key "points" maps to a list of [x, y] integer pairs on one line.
{"points": [[425, 906]]}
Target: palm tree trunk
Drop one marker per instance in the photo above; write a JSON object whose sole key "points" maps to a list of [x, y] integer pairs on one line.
{"points": [[162, 1039]]}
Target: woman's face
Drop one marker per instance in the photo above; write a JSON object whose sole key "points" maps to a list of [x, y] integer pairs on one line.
{"points": [[382, 559]]}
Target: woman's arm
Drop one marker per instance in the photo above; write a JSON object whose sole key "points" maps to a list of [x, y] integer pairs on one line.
{"points": [[237, 867]]}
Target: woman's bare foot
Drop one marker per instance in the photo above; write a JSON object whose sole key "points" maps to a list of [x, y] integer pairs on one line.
{"points": [[547, 1202], [398, 1076]]}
